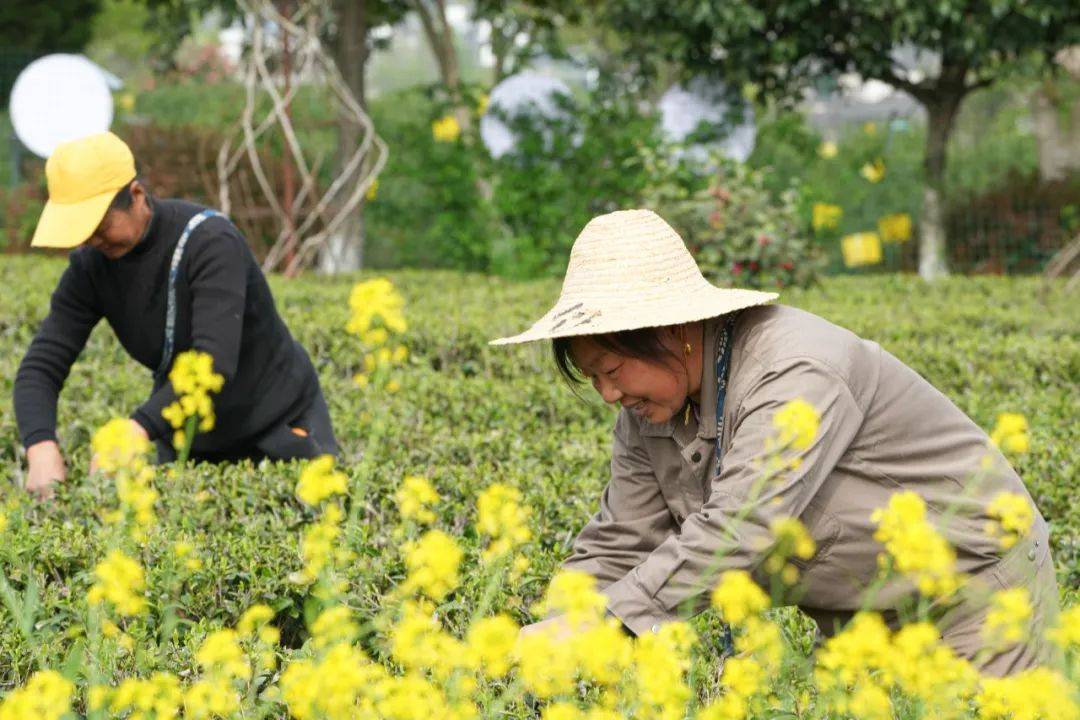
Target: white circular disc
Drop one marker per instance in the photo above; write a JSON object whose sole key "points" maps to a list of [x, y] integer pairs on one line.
{"points": [[682, 110], [526, 92], [59, 98]]}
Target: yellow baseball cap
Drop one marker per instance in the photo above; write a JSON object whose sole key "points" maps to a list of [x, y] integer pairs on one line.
{"points": [[84, 176]]}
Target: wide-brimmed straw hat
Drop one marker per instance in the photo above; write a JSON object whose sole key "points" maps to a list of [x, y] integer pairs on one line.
{"points": [[629, 270]]}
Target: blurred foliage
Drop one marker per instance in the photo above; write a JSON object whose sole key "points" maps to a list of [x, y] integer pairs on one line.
{"points": [[468, 415], [46, 27], [740, 233]]}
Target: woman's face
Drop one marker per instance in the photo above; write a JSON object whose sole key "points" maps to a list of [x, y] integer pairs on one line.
{"points": [[652, 391]]}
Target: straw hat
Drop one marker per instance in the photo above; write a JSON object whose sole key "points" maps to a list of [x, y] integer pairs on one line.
{"points": [[630, 270]]}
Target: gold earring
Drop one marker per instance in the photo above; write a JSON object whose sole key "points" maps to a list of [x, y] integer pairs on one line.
{"points": [[686, 415], [687, 349]]}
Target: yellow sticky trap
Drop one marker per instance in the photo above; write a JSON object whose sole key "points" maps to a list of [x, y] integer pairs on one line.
{"points": [[861, 249]]}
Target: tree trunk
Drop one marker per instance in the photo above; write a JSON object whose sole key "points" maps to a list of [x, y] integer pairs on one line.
{"points": [[344, 251], [941, 113], [440, 36]]}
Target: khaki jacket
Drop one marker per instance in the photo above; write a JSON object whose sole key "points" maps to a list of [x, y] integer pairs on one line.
{"points": [[668, 512]]}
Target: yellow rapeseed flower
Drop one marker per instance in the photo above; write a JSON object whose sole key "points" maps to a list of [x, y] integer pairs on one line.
{"points": [[1008, 615], [738, 597], [193, 380], [118, 446], [119, 580], [826, 216], [917, 549], [418, 641], [1067, 631], [1010, 433], [373, 304], [1014, 515], [602, 651], [490, 644], [501, 516], [415, 498], [545, 664], [211, 697], [873, 172], [46, 696], [661, 661], [828, 150], [1036, 694], [158, 696], [573, 593], [319, 481], [432, 562], [446, 129], [797, 424], [221, 654]]}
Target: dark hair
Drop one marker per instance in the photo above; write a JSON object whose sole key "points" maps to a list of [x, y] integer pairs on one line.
{"points": [[643, 344], [123, 199]]}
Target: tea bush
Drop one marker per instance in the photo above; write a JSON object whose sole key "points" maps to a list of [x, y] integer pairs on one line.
{"points": [[466, 416]]}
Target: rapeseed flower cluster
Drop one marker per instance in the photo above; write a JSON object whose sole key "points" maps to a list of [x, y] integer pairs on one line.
{"points": [[415, 498], [859, 667], [120, 581], [446, 129], [377, 313], [1010, 434], [118, 446], [1036, 694], [376, 304], [790, 540], [915, 548], [873, 171], [796, 424], [1007, 617], [319, 547], [158, 697], [432, 562], [502, 517], [46, 696], [193, 380], [320, 481], [122, 452], [1013, 515]]}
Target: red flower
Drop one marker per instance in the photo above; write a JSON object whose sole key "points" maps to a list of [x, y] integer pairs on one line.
{"points": [[753, 266], [736, 268], [763, 240], [788, 265]]}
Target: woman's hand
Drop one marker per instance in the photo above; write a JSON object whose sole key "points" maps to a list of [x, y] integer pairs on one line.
{"points": [[556, 627], [45, 469]]}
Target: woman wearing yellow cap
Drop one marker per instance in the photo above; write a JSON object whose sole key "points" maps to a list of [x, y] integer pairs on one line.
{"points": [[716, 387], [168, 276]]}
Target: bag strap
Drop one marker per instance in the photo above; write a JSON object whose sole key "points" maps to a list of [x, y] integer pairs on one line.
{"points": [[170, 302]]}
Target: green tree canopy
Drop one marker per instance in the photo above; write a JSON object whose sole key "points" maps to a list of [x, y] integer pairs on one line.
{"points": [[781, 46]]}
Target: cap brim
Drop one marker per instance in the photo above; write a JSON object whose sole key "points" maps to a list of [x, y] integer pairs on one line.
{"points": [[65, 225]]}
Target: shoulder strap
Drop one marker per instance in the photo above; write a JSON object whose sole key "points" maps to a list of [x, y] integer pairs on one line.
{"points": [[170, 302]]}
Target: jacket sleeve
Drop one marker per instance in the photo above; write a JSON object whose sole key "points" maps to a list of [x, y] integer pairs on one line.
{"points": [[633, 519], [217, 277], [732, 527], [74, 310]]}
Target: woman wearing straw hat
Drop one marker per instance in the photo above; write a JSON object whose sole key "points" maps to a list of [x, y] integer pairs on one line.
{"points": [[699, 373]]}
